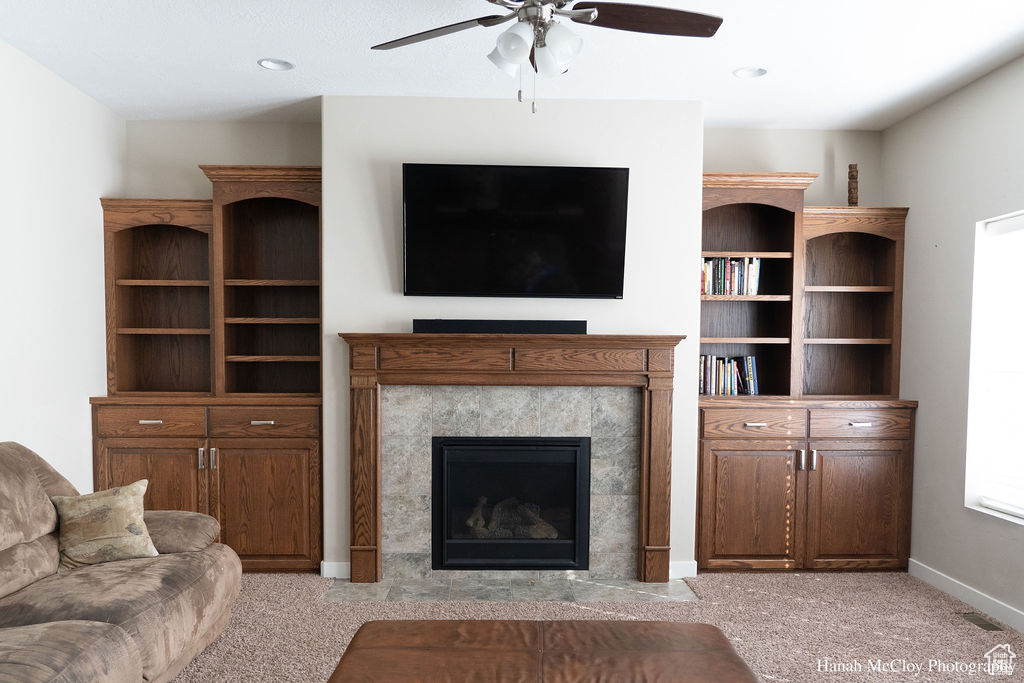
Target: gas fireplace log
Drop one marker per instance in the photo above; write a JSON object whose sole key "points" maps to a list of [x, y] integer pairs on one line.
{"points": [[476, 520]]}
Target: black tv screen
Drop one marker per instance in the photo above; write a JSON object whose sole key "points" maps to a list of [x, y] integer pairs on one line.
{"points": [[521, 231]]}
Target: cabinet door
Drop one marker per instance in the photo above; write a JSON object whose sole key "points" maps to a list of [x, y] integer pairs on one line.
{"points": [[174, 467], [751, 505], [267, 498], [858, 504]]}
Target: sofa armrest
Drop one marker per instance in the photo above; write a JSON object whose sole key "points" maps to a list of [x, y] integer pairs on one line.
{"points": [[175, 531]]}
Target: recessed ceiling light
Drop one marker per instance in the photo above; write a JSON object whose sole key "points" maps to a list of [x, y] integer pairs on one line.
{"points": [[275, 64], [749, 72]]}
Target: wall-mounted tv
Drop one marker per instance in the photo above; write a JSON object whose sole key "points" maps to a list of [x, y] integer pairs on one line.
{"points": [[514, 231]]}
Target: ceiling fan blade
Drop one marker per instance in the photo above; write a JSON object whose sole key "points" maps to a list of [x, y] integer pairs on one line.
{"points": [[491, 20], [647, 19]]}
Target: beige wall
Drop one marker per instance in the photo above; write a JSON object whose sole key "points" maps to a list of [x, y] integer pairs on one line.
{"points": [[163, 156], [365, 142], [825, 152], [957, 162], [61, 152]]}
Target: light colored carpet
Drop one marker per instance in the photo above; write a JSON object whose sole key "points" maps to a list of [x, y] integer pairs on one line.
{"points": [[781, 624]]}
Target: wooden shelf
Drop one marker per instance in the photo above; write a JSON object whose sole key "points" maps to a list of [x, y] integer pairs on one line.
{"points": [[862, 340], [744, 340], [236, 282], [849, 288], [746, 254], [746, 297], [272, 321], [272, 359], [199, 331], [162, 283]]}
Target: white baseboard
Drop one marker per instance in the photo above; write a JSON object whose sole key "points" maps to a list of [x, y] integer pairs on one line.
{"points": [[336, 570], [1009, 615], [683, 569]]}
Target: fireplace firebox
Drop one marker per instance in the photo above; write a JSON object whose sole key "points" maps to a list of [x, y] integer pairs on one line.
{"points": [[511, 502]]}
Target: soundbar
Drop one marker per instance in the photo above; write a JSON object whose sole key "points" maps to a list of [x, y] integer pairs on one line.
{"points": [[448, 326]]}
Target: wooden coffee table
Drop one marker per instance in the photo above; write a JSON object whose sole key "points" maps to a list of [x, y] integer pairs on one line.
{"points": [[540, 651]]}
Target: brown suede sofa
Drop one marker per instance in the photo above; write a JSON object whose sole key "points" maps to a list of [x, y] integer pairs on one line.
{"points": [[129, 620]]}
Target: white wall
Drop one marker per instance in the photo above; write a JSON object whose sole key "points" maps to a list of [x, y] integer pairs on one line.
{"points": [[365, 142], [61, 152], [825, 152], [957, 162], [163, 156]]}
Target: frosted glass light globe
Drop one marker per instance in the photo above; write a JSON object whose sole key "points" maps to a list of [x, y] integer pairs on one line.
{"points": [[514, 45]]}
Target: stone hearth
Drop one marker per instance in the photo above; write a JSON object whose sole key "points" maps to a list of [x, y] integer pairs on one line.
{"points": [[411, 415]]}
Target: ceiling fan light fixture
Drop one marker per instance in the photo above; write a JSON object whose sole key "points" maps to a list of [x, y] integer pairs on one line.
{"points": [[514, 45], [563, 43], [508, 67], [749, 72]]}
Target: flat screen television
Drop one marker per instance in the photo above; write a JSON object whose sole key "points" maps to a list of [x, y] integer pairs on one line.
{"points": [[514, 231]]}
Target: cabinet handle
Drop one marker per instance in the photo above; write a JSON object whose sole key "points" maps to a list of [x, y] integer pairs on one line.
{"points": [[755, 424], [202, 453], [814, 459], [213, 458], [803, 459], [260, 423], [151, 422], [860, 424]]}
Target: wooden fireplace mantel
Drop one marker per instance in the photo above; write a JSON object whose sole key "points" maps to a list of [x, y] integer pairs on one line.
{"points": [[644, 361]]}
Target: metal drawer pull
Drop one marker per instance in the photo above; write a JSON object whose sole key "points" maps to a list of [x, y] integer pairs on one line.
{"points": [[814, 459], [213, 458], [860, 424], [202, 452], [151, 422], [260, 423], [755, 424], [803, 459]]}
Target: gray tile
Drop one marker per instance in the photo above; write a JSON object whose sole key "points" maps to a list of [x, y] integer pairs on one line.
{"points": [[622, 591], [613, 523], [482, 589], [456, 411], [420, 591], [405, 410], [403, 566], [565, 411], [405, 465], [509, 411], [486, 574], [528, 590], [612, 565], [615, 466], [616, 411], [405, 523], [343, 590]]}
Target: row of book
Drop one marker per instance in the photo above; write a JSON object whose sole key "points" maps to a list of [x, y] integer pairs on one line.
{"points": [[721, 376], [733, 276]]}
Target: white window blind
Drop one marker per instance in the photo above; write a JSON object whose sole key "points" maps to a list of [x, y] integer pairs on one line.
{"points": [[995, 457]]}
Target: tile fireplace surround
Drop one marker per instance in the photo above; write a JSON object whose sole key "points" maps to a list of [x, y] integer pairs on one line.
{"points": [[412, 415], [406, 388]]}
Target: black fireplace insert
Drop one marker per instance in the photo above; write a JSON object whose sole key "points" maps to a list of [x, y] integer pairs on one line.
{"points": [[511, 502]]}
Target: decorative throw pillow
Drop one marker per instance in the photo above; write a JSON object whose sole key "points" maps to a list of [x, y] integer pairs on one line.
{"points": [[103, 526]]}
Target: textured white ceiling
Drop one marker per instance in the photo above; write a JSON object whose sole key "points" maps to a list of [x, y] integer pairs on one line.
{"points": [[831, 64]]}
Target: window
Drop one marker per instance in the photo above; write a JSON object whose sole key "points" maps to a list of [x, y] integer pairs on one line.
{"points": [[995, 448]]}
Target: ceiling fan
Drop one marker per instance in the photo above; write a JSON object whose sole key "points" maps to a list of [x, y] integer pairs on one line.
{"points": [[538, 38]]}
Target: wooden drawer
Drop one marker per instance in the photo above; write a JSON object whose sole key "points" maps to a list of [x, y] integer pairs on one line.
{"points": [[880, 423], [731, 423], [269, 421], [151, 421]]}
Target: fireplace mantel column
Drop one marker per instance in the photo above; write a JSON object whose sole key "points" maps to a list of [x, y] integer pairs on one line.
{"points": [[506, 359]]}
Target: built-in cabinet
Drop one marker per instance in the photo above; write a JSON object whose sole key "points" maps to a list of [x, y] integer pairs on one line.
{"points": [[213, 359], [814, 471]]}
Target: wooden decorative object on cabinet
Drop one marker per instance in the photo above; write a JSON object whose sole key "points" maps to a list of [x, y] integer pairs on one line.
{"points": [[816, 471], [213, 327]]}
